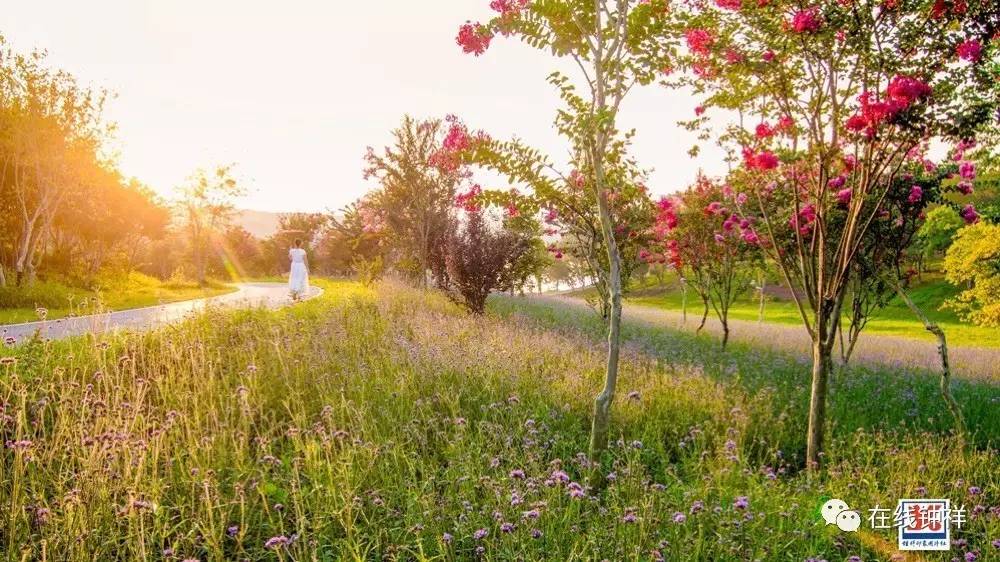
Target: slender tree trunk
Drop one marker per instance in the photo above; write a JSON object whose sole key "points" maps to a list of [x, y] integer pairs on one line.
{"points": [[704, 314], [817, 403], [684, 303], [945, 382], [760, 311], [725, 332]]}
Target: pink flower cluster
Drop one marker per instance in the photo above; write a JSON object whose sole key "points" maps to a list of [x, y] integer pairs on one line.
{"points": [[474, 38], [448, 159], [804, 220], [508, 8], [806, 21], [700, 41], [732, 221], [467, 200], [764, 160], [734, 5], [970, 50], [969, 214], [901, 93]]}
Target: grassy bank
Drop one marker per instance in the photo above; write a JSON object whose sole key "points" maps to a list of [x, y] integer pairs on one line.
{"points": [[895, 319], [22, 304], [387, 425]]}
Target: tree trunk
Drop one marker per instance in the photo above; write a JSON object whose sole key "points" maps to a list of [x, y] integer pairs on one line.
{"points": [[602, 404], [725, 332], [760, 311], [704, 315], [817, 404], [945, 382], [684, 303]]}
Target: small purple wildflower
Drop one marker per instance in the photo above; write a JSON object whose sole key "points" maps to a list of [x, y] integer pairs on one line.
{"points": [[517, 473], [480, 534], [447, 538], [277, 542], [971, 557], [536, 534], [629, 517], [679, 517], [742, 502], [533, 514], [507, 528], [975, 490], [697, 506], [854, 559], [232, 531], [996, 543]]}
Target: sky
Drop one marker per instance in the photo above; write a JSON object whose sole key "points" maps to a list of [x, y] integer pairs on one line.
{"points": [[292, 92]]}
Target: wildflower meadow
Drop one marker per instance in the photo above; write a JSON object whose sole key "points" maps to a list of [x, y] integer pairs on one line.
{"points": [[385, 423]]}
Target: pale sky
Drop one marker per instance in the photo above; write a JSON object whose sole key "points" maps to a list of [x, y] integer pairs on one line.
{"points": [[294, 91]]}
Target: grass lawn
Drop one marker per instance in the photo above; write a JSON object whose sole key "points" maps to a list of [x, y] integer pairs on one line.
{"points": [[895, 319], [135, 291], [386, 424]]}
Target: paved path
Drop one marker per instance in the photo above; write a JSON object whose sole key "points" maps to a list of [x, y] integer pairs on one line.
{"points": [[271, 295], [872, 349]]}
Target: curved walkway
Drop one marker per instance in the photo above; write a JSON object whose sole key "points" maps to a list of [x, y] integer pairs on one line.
{"points": [[872, 349], [270, 295]]}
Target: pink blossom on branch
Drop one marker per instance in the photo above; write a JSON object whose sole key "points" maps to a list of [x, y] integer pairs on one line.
{"points": [[763, 161], [806, 21], [734, 5], [844, 196], [700, 41], [508, 7], [474, 38], [764, 130], [967, 170], [971, 50], [467, 200]]}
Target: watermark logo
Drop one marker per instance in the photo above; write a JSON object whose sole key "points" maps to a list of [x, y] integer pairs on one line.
{"points": [[836, 512], [925, 524]]}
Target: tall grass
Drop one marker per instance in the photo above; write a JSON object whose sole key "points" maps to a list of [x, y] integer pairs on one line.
{"points": [[385, 424]]}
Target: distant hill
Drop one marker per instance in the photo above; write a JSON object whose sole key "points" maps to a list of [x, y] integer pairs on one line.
{"points": [[259, 223]]}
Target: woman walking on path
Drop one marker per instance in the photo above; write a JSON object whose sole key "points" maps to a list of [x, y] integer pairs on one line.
{"points": [[298, 277]]}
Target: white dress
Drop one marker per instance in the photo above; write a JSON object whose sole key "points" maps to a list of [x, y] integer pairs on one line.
{"points": [[298, 277]]}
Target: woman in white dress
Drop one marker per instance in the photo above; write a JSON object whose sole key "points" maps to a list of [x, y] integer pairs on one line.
{"points": [[298, 277]]}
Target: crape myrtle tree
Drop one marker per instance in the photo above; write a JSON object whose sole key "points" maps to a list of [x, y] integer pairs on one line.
{"points": [[701, 232], [615, 45], [835, 100], [414, 197]]}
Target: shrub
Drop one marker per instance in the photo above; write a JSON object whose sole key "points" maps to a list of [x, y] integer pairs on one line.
{"points": [[479, 259], [974, 260]]}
